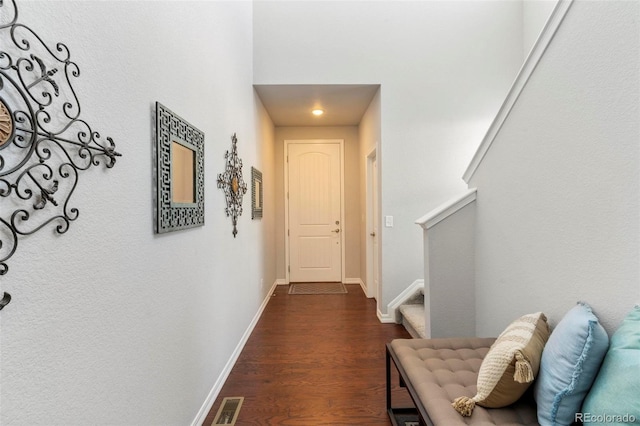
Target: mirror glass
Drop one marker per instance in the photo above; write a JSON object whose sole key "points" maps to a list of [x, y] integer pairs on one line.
{"points": [[257, 200], [182, 174]]}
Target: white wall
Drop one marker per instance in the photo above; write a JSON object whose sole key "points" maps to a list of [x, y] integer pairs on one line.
{"points": [[266, 148], [558, 216], [534, 15], [449, 275], [111, 323], [369, 136], [444, 68]]}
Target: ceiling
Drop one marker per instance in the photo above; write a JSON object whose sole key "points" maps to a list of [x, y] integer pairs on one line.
{"points": [[290, 105]]}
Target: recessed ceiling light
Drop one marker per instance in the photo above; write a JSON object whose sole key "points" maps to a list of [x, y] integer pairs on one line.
{"points": [[317, 112]]}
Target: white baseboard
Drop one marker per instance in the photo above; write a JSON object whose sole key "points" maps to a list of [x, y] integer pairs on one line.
{"points": [[407, 293], [281, 281], [217, 387], [356, 281], [386, 318]]}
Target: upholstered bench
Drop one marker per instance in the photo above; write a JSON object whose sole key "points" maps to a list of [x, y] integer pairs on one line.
{"points": [[580, 375], [436, 371]]}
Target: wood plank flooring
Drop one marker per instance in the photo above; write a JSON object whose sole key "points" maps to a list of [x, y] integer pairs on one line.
{"points": [[314, 360]]}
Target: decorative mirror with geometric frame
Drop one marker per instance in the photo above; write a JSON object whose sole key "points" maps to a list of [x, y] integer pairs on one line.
{"points": [[179, 174]]}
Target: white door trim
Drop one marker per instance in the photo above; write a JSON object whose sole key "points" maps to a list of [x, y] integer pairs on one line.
{"points": [[372, 289], [286, 200]]}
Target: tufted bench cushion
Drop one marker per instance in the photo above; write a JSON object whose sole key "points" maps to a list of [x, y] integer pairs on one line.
{"points": [[440, 370]]}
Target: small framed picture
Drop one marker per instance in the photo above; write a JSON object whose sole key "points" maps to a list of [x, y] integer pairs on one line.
{"points": [[257, 192]]}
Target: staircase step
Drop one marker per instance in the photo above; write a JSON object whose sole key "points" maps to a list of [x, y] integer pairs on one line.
{"points": [[416, 298], [413, 319]]}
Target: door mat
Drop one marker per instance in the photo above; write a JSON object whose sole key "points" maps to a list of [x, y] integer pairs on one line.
{"points": [[317, 288]]}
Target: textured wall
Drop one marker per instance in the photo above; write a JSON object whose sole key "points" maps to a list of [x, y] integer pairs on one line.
{"points": [[558, 216], [111, 323]]}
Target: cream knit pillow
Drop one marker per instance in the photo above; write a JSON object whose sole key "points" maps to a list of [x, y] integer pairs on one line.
{"points": [[510, 366]]}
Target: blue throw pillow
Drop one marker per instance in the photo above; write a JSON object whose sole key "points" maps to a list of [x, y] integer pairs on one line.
{"points": [[615, 396], [569, 364]]}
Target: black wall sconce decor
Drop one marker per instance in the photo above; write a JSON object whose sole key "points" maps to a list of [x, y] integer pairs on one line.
{"points": [[232, 184], [180, 172], [44, 144]]}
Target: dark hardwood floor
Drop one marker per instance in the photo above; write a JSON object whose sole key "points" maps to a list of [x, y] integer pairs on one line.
{"points": [[315, 360]]}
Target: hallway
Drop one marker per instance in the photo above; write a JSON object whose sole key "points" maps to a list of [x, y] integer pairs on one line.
{"points": [[314, 360]]}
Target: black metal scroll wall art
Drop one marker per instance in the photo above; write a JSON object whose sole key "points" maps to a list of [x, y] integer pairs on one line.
{"points": [[44, 144], [232, 184]]}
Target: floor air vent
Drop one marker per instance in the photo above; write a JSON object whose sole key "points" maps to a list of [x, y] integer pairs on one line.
{"points": [[228, 411]]}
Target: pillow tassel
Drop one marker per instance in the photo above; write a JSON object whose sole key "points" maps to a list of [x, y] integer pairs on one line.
{"points": [[464, 405], [524, 372]]}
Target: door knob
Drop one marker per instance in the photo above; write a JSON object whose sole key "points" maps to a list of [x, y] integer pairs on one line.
{"points": [[373, 234], [336, 230]]}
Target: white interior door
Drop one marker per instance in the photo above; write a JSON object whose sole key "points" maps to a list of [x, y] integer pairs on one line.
{"points": [[315, 228]]}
